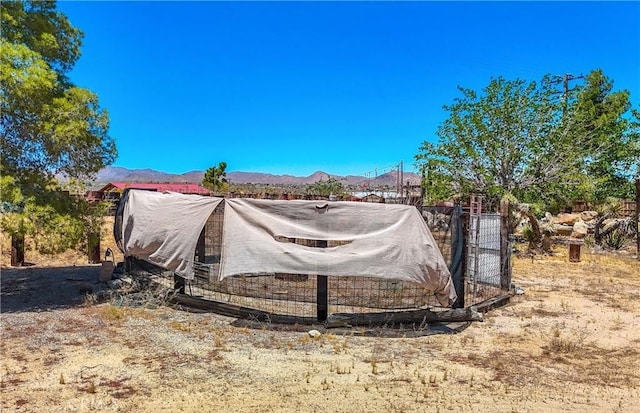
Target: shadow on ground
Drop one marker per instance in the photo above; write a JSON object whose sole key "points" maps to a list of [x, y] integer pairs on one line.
{"points": [[35, 288]]}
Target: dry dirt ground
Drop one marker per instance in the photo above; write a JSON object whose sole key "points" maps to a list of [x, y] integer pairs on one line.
{"points": [[570, 343]]}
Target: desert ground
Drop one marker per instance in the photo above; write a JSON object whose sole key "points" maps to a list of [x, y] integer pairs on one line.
{"points": [[568, 344]]}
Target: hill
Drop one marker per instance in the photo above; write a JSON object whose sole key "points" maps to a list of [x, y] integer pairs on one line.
{"points": [[117, 174]]}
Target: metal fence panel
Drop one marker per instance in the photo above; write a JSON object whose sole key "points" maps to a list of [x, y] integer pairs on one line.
{"points": [[478, 273]]}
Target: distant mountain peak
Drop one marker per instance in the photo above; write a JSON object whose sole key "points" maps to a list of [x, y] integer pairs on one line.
{"points": [[120, 174]]}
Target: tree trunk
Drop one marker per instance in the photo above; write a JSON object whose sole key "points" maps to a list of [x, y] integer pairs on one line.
{"points": [[597, 235], [536, 242], [610, 229], [17, 250], [638, 218], [93, 248]]}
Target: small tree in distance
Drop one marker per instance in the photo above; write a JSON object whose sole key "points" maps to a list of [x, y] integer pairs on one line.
{"points": [[326, 188], [215, 178]]}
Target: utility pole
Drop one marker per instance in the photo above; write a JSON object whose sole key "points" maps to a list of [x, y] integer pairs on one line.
{"points": [[397, 167], [565, 79], [401, 180]]}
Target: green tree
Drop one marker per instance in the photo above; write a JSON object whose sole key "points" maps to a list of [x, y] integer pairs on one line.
{"points": [[48, 126], [331, 186], [215, 178], [491, 141], [607, 137], [517, 139]]}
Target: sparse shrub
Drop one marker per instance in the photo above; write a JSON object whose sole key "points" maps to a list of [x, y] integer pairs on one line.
{"points": [[177, 325], [142, 293], [562, 345], [615, 240], [530, 236], [325, 384], [527, 233], [589, 241], [112, 313]]}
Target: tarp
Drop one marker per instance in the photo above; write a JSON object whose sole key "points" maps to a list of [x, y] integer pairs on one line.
{"points": [[382, 240], [266, 237], [162, 227]]}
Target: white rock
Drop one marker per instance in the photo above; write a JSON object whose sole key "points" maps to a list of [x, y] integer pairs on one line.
{"points": [[580, 230], [315, 333]]}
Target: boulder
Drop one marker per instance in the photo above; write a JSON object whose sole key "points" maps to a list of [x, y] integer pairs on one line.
{"points": [[563, 230], [580, 230], [587, 216], [566, 219]]}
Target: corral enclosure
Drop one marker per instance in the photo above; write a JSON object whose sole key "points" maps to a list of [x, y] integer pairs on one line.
{"points": [[473, 246]]}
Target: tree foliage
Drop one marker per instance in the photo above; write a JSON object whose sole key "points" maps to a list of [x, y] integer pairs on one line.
{"points": [[607, 129], [331, 186], [48, 126], [215, 178], [518, 139]]}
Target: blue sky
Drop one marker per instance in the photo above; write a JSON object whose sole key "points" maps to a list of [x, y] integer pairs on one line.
{"points": [[343, 87]]}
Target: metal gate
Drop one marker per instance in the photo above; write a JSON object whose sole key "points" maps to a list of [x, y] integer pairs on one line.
{"points": [[484, 246]]}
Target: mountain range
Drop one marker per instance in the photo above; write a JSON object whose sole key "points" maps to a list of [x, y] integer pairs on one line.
{"points": [[120, 174]]}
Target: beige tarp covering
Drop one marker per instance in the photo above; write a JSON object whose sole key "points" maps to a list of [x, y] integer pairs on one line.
{"points": [[163, 227], [383, 240], [265, 237]]}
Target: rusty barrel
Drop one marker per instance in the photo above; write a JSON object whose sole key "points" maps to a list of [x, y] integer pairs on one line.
{"points": [[574, 250]]}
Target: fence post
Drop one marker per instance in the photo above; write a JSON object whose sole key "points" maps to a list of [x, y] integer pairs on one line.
{"points": [[178, 283], [458, 253], [505, 253], [322, 291], [200, 247]]}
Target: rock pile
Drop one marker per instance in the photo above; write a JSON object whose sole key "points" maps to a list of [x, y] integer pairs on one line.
{"points": [[574, 225]]}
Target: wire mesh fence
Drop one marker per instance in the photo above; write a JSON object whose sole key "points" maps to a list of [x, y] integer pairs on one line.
{"points": [[302, 295], [483, 275], [481, 247]]}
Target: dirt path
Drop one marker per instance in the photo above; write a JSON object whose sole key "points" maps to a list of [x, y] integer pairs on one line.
{"points": [[569, 344]]}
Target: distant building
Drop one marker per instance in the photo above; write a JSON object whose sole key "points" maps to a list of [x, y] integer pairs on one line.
{"points": [[376, 196], [183, 188], [112, 191], [373, 198]]}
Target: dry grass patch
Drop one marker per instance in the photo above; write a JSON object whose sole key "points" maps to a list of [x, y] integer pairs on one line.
{"points": [[569, 344]]}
